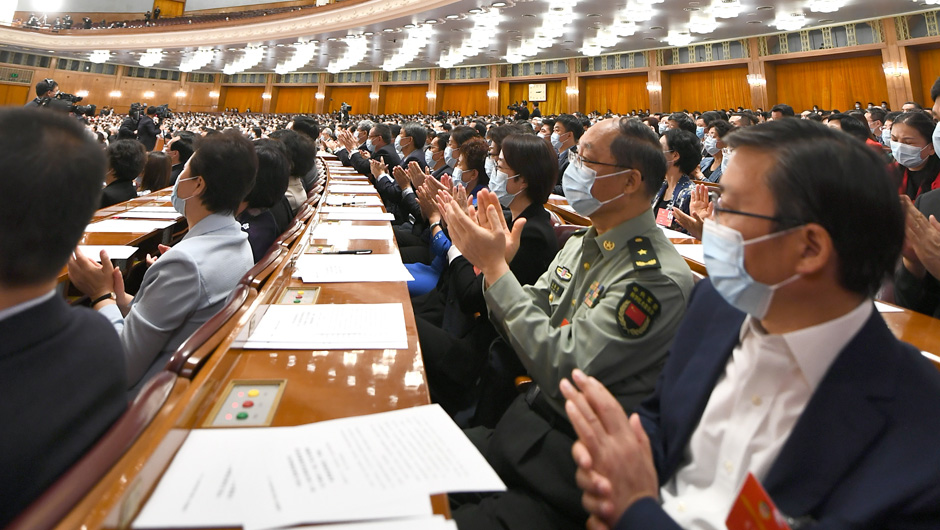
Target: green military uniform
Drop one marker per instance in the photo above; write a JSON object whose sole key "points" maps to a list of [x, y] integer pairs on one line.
{"points": [[609, 305]]}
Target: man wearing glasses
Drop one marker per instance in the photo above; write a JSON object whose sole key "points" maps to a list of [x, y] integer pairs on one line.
{"points": [[784, 374], [609, 304]]}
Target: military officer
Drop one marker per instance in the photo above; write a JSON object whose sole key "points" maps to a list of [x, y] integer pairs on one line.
{"points": [[609, 304]]}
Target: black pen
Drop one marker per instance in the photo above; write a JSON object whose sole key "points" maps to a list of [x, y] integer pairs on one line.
{"points": [[361, 251]]}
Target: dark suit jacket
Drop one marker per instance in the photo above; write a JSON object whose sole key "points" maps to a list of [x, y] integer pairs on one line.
{"points": [[147, 132], [63, 377], [118, 191], [391, 192], [920, 294], [343, 155], [175, 172], [443, 170], [863, 454], [386, 154]]}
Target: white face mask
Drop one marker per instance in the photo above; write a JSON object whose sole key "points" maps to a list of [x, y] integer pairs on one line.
{"points": [[935, 139], [498, 186], [724, 261], [577, 184], [711, 145], [908, 155], [556, 141], [449, 157]]}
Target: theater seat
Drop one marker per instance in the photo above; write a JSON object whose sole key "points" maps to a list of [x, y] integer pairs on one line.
{"points": [[259, 274], [290, 235], [196, 350], [563, 232], [46, 511]]}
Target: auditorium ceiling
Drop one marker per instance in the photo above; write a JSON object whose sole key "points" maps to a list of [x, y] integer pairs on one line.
{"points": [[397, 34]]}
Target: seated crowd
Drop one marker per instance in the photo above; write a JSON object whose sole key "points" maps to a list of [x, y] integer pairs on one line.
{"points": [[653, 396]]}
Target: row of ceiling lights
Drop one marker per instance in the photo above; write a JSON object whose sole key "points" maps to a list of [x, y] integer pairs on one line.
{"points": [[486, 21]]}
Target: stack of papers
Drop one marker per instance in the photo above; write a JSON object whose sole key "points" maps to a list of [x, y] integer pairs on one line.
{"points": [[693, 252], [133, 226], [362, 468], [114, 251], [356, 213], [346, 231], [352, 188], [137, 214], [330, 327], [435, 522], [330, 268], [674, 234]]}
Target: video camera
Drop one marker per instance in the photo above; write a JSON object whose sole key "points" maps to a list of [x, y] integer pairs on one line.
{"points": [[135, 110], [516, 107], [345, 107], [67, 103], [164, 111]]}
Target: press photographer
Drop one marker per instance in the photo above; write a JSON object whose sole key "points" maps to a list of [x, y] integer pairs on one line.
{"points": [[147, 130], [48, 96]]}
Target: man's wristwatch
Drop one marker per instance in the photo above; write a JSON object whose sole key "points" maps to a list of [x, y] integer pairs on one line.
{"points": [[102, 298]]}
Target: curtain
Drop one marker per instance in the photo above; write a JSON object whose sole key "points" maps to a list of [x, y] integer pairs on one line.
{"points": [[929, 71], [356, 96], [723, 88], [832, 83], [243, 98], [465, 98], [15, 94], [620, 94], [405, 99], [555, 97], [296, 99]]}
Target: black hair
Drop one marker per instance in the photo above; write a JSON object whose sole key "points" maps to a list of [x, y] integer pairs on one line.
{"points": [[721, 127], [711, 116], [919, 121], [747, 117], [157, 171], [852, 126], [184, 145], [480, 127], [891, 116], [383, 131], [571, 124], [784, 109], [228, 164], [273, 175], [151, 110], [441, 141], [917, 106], [877, 114], [531, 157], [126, 158], [48, 200], [45, 86], [301, 150], [307, 126], [417, 133], [822, 176], [683, 120], [636, 146], [462, 133], [687, 146], [499, 133]]}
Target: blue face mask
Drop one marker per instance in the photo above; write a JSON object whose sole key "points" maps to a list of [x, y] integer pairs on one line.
{"points": [[456, 177], [908, 155], [886, 137], [179, 203], [498, 186], [662, 127], [429, 158], [724, 261], [935, 138], [556, 141], [490, 167], [711, 145], [369, 145], [577, 183], [449, 157], [700, 132]]}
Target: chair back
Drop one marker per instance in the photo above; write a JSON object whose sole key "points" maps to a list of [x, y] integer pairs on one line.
{"points": [[563, 232]]}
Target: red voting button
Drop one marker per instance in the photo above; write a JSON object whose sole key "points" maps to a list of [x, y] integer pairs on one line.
{"points": [[248, 404], [754, 509]]}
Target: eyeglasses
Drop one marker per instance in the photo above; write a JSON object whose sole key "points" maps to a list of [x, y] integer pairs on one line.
{"points": [[716, 200], [578, 161]]}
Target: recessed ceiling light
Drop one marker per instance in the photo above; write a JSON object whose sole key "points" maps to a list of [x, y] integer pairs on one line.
{"points": [[432, 21], [569, 42], [529, 15], [754, 22], [691, 9], [499, 4], [656, 28], [649, 38], [409, 26], [452, 17], [593, 15], [826, 21], [368, 34], [456, 29], [765, 8], [475, 11], [696, 4], [279, 45], [388, 30]]}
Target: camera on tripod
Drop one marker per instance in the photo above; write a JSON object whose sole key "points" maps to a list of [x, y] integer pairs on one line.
{"points": [[67, 103]]}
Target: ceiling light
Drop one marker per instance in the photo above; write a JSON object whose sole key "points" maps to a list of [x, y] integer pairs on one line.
{"points": [[702, 23], [826, 6], [303, 54], [790, 23], [475, 11], [180, 94], [99, 56], [727, 8], [428, 21], [151, 57], [251, 56], [213, 94], [356, 49], [149, 94], [499, 4], [82, 93], [452, 17], [199, 59], [675, 38]]}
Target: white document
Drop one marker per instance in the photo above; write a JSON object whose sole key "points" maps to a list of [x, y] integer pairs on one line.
{"points": [[114, 251], [674, 234], [693, 252], [136, 213], [153, 209], [134, 226], [345, 231], [435, 522], [887, 308], [353, 200], [374, 215], [331, 268], [352, 188], [555, 197], [348, 209], [330, 327]]}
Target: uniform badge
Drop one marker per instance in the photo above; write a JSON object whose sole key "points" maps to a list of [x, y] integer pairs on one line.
{"points": [[556, 289], [636, 311], [609, 245], [641, 250], [563, 272], [593, 294]]}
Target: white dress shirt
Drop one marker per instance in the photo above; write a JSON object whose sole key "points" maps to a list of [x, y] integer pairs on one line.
{"points": [[767, 383]]}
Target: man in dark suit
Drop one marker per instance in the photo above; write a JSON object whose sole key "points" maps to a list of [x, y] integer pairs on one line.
{"points": [[361, 139], [307, 126], [61, 368], [180, 149], [147, 130], [47, 88], [395, 188], [786, 372]]}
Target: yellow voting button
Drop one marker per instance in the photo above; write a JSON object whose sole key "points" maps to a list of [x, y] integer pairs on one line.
{"points": [[253, 393]]}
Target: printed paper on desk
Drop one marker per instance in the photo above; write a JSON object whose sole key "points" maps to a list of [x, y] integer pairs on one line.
{"points": [[137, 214], [434, 522], [417, 451], [114, 251], [674, 234], [330, 327], [345, 231], [692, 252], [154, 209], [133, 226], [352, 188], [353, 200], [347, 209], [332, 268]]}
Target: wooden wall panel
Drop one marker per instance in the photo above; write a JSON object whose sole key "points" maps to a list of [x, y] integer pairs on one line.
{"points": [[15, 95]]}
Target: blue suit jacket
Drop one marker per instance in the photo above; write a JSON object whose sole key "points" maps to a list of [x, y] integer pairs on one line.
{"points": [[865, 453]]}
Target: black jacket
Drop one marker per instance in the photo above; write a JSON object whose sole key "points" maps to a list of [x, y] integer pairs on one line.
{"points": [[147, 132], [118, 191]]}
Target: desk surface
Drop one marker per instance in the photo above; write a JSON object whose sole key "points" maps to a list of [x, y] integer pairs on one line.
{"points": [[321, 385]]}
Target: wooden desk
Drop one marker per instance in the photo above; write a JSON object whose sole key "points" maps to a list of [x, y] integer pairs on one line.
{"points": [[321, 385]]}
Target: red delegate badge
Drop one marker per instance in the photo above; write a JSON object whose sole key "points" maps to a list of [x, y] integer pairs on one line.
{"points": [[754, 510], [664, 217]]}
